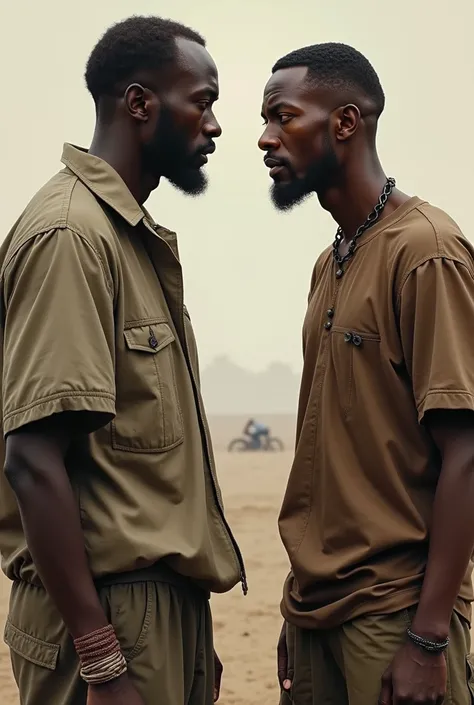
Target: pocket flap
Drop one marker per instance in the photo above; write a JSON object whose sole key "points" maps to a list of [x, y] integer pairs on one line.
{"points": [[29, 647], [150, 338]]}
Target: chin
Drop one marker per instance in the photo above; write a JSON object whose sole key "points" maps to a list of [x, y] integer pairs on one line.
{"points": [[287, 195], [192, 182]]}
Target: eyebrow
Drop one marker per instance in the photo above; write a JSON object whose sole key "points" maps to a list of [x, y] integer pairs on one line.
{"points": [[276, 106], [212, 92]]}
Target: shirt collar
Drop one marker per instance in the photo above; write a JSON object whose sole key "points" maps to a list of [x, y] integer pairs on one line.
{"points": [[103, 181]]}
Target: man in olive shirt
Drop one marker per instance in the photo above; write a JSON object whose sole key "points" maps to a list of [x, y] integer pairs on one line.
{"points": [[377, 518], [111, 520]]}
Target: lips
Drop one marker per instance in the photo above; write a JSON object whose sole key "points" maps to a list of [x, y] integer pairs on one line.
{"points": [[209, 150], [276, 166], [276, 170], [203, 153], [270, 162]]}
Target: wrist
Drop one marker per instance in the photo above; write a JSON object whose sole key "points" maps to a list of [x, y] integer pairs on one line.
{"points": [[100, 656], [91, 620], [113, 686], [427, 645], [430, 628]]}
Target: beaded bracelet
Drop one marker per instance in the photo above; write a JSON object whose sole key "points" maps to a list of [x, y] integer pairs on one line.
{"points": [[428, 645], [100, 655]]}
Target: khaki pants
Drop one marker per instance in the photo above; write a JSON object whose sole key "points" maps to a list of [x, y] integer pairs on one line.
{"points": [[344, 666], [165, 632]]}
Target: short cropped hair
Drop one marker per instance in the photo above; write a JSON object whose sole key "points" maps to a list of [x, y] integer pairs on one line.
{"points": [[133, 45], [337, 66]]}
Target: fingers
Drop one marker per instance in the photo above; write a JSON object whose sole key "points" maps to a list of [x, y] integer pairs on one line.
{"points": [[218, 670], [386, 692], [290, 673], [282, 661]]}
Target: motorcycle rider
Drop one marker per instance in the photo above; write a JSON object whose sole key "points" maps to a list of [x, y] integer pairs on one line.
{"points": [[256, 431]]}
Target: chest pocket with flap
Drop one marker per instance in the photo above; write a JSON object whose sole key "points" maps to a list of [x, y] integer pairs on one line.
{"points": [[355, 359], [149, 418]]}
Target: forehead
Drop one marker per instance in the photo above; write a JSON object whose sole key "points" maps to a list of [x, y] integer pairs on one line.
{"points": [[287, 82], [195, 66], [291, 87]]}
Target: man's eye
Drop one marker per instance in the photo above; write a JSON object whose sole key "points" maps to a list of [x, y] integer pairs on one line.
{"points": [[284, 118], [203, 104]]}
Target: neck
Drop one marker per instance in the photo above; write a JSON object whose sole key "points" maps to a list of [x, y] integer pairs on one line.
{"points": [[351, 201], [118, 149]]}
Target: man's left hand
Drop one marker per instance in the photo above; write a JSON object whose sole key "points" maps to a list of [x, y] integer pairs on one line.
{"points": [[218, 669], [415, 677]]}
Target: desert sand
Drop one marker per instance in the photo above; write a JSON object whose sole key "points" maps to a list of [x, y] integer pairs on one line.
{"points": [[246, 628]]}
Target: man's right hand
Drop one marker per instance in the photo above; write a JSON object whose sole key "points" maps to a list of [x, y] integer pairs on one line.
{"points": [[118, 692], [284, 675]]}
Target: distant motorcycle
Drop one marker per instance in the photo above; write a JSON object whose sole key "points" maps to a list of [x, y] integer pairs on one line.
{"points": [[268, 443]]}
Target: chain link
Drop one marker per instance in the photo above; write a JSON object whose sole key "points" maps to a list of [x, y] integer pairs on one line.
{"points": [[371, 219]]}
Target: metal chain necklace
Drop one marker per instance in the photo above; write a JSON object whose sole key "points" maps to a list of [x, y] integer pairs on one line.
{"points": [[371, 219]]}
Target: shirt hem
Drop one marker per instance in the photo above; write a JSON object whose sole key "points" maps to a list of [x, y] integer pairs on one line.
{"points": [[403, 599]]}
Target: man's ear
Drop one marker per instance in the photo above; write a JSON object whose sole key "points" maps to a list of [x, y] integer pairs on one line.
{"points": [[347, 122], [140, 102]]}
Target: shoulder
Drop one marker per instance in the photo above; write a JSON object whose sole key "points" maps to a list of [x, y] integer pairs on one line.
{"points": [[65, 209], [425, 233]]}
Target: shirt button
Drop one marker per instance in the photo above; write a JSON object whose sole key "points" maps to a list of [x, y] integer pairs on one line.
{"points": [[328, 325], [357, 340], [330, 313], [339, 273], [153, 342], [348, 337]]}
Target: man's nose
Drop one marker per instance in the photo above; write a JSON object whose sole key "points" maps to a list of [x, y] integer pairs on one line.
{"points": [[268, 141], [212, 128]]}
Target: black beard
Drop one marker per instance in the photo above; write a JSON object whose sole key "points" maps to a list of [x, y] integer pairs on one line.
{"points": [[192, 181], [286, 196], [169, 152], [319, 179]]}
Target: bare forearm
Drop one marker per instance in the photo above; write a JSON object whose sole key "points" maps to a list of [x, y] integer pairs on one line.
{"points": [[54, 537], [451, 546]]}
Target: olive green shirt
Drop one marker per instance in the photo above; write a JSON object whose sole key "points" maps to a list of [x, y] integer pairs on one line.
{"points": [[93, 320]]}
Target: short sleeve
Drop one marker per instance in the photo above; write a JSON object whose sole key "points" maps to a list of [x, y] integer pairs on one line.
{"points": [[437, 327], [58, 332]]}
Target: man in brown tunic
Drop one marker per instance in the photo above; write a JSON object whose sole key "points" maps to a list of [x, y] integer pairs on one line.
{"points": [[111, 520], [377, 519]]}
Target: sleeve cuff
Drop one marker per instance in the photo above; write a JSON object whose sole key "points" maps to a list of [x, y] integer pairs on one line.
{"points": [[96, 402], [445, 399]]}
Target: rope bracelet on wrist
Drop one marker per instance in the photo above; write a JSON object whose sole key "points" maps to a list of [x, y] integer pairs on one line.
{"points": [[100, 656], [434, 647]]}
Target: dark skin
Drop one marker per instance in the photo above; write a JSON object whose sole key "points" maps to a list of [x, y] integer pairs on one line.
{"points": [[307, 125], [188, 88], [125, 136], [298, 117]]}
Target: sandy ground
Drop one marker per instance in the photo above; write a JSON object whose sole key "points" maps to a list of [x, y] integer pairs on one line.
{"points": [[246, 629]]}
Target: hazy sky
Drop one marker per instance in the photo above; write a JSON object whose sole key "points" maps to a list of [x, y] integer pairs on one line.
{"points": [[247, 267]]}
